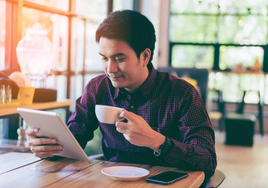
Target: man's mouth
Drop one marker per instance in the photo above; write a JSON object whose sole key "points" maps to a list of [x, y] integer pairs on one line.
{"points": [[115, 77]]}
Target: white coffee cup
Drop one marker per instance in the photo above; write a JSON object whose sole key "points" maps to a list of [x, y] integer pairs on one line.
{"points": [[107, 114]]}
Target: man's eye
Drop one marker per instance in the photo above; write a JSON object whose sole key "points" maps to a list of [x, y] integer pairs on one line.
{"points": [[119, 59], [104, 59]]}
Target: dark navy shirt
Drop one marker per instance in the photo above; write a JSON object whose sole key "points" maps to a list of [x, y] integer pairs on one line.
{"points": [[168, 104]]}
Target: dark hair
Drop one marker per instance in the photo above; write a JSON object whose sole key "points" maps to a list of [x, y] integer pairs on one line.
{"points": [[131, 27]]}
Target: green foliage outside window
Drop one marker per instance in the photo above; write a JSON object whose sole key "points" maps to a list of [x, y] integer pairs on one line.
{"points": [[232, 86], [93, 147], [247, 29], [192, 56], [195, 29], [193, 6], [230, 57], [221, 35]]}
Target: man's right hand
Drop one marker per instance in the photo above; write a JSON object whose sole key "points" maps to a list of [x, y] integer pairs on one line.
{"points": [[42, 147]]}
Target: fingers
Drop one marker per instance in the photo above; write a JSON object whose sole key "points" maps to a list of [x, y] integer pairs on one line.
{"points": [[44, 155], [124, 131], [121, 127], [45, 151], [47, 148], [42, 141], [32, 132], [42, 147]]}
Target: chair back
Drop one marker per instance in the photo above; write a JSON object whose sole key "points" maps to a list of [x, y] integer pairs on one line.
{"points": [[200, 75], [217, 179]]}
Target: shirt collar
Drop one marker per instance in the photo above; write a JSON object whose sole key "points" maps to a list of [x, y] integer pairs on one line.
{"points": [[147, 85]]}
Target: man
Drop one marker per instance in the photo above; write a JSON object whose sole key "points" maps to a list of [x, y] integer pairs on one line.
{"points": [[166, 121]]}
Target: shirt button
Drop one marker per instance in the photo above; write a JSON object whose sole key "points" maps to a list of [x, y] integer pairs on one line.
{"points": [[131, 107]]}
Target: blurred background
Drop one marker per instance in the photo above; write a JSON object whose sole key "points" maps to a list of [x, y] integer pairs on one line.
{"points": [[220, 44]]}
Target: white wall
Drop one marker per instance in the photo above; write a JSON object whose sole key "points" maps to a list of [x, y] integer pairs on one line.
{"points": [[164, 33], [157, 11]]}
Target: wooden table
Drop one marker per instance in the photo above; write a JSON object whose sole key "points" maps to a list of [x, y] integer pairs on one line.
{"points": [[11, 110], [26, 170]]}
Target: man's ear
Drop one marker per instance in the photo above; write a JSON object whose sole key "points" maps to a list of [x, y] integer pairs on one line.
{"points": [[145, 56]]}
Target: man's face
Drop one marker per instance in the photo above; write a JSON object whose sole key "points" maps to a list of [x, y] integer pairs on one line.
{"points": [[121, 64]]}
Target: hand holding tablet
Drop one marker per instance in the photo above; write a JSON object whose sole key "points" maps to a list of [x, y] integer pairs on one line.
{"points": [[50, 125], [42, 147]]}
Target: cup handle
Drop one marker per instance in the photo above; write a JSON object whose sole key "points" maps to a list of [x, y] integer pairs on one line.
{"points": [[122, 120]]}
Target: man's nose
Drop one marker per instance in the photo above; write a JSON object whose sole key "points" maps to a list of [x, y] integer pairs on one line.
{"points": [[112, 67]]}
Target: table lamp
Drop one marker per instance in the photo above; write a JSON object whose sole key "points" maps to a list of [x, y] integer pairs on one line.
{"points": [[35, 56]]}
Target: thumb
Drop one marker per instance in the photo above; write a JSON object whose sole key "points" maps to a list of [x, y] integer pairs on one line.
{"points": [[127, 115], [32, 132]]}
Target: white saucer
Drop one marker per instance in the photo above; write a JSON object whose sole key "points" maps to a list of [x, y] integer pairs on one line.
{"points": [[126, 173]]}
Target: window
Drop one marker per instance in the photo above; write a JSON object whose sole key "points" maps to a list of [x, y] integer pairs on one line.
{"points": [[231, 57], [192, 56], [57, 28], [201, 30], [94, 10], [232, 86], [122, 4], [222, 36], [58, 4], [242, 29], [86, 60], [54, 16]]}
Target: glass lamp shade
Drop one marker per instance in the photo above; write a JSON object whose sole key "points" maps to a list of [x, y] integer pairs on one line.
{"points": [[35, 53]]}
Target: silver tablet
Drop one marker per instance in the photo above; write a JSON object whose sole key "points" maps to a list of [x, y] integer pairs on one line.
{"points": [[51, 125]]}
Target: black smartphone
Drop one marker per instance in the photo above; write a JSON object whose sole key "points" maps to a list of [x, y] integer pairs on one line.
{"points": [[167, 177]]}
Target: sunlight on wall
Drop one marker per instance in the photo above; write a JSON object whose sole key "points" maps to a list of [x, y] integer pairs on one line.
{"points": [[2, 33]]}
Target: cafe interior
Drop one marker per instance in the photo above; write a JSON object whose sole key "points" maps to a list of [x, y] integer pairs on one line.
{"points": [[218, 46]]}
